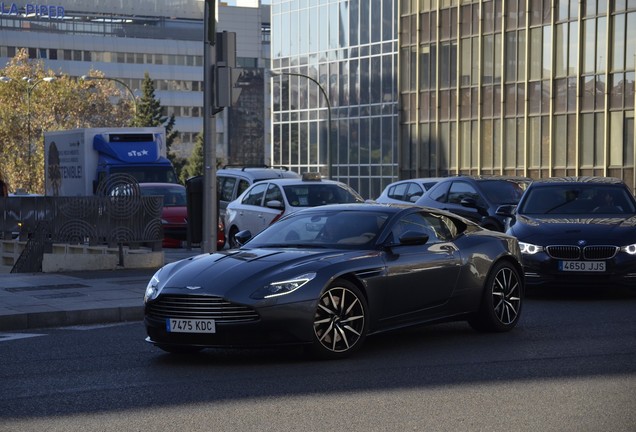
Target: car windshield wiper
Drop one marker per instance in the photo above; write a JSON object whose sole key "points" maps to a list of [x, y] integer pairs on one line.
{"points": [[556, 207]]}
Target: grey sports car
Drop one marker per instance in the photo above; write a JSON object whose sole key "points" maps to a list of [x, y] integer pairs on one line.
{"points": [[329, 276]]}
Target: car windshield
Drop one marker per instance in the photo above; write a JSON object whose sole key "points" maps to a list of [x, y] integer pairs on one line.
{"points": [[315, 194], [501, 192], [172, 197], [333, 228], [578, 199]]}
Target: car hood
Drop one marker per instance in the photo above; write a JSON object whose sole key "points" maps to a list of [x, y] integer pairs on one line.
{"points": [[237, 273], [567, 229]]}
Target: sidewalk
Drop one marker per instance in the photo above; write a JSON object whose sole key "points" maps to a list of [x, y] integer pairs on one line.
{"points": [[37, 300]]}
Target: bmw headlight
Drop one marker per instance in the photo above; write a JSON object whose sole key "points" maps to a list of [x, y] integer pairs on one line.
{"points": [[529, 248], [276, 289], [152, 289], [630, 249]]}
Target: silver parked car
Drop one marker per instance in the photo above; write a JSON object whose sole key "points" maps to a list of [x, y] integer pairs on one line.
{"points": [[406, 191], [267, 201]]}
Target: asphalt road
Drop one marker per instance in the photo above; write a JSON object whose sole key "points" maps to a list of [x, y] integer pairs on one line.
{"points": [[569, 366]]}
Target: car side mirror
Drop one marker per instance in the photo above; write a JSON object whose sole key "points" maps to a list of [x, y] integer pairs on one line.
{"points": [[472, 203], [275, 204], [243, 237], [413, 238], [507, 210]]}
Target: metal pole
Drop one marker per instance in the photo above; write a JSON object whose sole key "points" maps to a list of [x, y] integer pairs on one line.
{"points": [[324, 93], [210, 212]]}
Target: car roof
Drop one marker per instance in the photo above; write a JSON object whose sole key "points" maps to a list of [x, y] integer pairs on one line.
{"points": [[300, 181], [256, 173]]}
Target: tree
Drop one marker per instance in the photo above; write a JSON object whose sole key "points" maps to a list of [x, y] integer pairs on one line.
{"points": [[150, 114], [194, 165], [30, 105]]}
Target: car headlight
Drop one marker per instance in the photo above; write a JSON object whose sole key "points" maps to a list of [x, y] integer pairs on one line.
{"points": [[152, 289], [276, 289], [630, 249], [529, 248]]}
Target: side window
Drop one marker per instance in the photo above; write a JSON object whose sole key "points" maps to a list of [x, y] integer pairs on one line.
{"points": [[439, 192], [242, 186], [413, 193], [255, 195], [418, 222], [460, 190], [274, 193], [226, 191], [397, 192]]}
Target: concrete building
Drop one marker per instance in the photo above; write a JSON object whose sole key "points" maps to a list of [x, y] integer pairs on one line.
{"points": [[162, 37]]}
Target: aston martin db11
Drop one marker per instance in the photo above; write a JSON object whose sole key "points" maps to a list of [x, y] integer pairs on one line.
{"points": [[328, 277]]}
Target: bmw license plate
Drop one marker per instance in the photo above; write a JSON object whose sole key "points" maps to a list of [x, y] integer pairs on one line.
{"points": [[174, 325], [582, 266]]}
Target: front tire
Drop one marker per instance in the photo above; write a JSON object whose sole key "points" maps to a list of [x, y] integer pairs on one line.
{"points": [[501, 300], [341, 321]]}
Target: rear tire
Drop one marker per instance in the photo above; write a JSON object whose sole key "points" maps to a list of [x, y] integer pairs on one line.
{"points": [[501, 300], [341, 321]]}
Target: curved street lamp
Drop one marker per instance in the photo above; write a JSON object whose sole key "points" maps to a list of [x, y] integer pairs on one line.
{"points": [[324, 93], [123, 84], [28, 84]]}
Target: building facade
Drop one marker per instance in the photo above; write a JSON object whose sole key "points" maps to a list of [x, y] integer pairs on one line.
{"points": [[334, 89], [162, 37], [523, 87]]}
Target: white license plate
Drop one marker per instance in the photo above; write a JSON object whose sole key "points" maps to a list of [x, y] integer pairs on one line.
{"points": [[582, 266], [174, 325]]}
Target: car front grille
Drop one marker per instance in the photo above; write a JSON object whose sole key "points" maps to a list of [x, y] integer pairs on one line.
{"points": [[199, 307], [575, 252], [599, 252]]}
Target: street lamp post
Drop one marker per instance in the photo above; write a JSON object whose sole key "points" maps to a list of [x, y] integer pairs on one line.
{"points": [[324, 93], [123, 84], [30, 85]]}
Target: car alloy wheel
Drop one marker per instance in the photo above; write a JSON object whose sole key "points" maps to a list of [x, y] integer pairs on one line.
{"points": [[340, 320], [502, 298]]}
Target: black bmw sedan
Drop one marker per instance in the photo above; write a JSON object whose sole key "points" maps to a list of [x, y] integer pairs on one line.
{"points": [[576, 231], [329, 276]]}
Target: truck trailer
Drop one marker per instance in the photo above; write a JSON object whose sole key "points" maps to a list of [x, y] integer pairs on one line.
{"points": [[77, 160]]}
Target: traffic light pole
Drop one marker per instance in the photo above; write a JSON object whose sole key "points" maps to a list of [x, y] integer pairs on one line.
{"points": [[210, 210]]}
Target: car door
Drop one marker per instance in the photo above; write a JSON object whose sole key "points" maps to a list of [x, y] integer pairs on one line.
{"points": [[268, 214], [248, 213], [419, 276], [458, 191]]}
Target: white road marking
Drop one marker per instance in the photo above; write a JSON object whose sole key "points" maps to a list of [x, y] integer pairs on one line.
{"points": [[5, 337]]}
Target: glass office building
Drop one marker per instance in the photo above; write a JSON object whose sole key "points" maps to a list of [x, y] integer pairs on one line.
{"points": [[334, 97], [521, 87]]}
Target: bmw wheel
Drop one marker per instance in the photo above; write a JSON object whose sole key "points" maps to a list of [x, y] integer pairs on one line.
{"points": [[340, 321], [501, 301]]}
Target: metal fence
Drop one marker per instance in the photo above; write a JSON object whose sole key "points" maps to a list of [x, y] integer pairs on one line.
{"points": [[92, 220]]}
